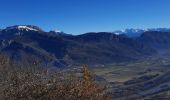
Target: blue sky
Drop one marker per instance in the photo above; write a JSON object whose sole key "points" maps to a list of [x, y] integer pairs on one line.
{"points": [[80, 16]]}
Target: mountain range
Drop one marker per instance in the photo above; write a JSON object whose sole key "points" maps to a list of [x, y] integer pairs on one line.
{"points": [[138, 32], [28, 43]]}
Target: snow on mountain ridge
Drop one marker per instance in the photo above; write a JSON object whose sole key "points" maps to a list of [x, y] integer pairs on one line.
{"points": [[57, 31], [137, 32], [27, 28], [24, 27]]}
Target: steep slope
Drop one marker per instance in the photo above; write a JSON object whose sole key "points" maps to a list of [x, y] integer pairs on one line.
{"points": [[155, 39], [23, 42], [106, 47]]}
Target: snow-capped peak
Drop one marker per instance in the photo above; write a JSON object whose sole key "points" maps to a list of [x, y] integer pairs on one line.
{"points": [[137, 32], [57, 31], [130, 31], [24, 28]]}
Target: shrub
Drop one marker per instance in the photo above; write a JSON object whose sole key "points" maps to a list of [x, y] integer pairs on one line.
{"points": [[25, 84]]}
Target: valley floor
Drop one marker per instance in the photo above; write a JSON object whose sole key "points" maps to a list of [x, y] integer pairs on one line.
{"points": [[135, 80]]}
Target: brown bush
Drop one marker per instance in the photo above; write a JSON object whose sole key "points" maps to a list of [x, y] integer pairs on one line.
{"points": [[21, 84]]}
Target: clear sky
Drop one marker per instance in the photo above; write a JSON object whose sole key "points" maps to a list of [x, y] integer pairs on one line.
{"points": [[80, 16]]}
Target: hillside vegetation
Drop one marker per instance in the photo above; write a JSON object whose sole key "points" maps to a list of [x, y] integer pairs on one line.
{"points": [[21, 83]]}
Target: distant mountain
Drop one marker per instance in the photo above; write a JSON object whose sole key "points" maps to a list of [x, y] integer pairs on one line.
{"points": [[106, 47], [156, 39], [138, 32], [24, 28], [30, 43], [58, 33], [130, 32]]}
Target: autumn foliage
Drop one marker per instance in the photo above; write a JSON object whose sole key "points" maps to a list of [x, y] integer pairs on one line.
{"points": [[21, 84]]}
